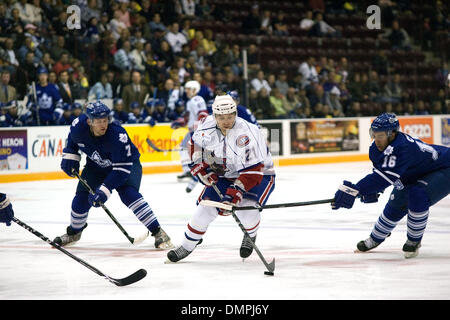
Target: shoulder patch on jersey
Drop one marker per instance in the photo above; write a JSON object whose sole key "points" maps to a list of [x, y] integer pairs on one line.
{"points": [[242, 141], [123, 137], [388, 151], [75, 121]]}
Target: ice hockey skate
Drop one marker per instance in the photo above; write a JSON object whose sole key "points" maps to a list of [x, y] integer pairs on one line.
{"points": [[162, 240], [366, 245], [184, 175], [411, 249], [178, 254], [246, 247], [70, 237]]}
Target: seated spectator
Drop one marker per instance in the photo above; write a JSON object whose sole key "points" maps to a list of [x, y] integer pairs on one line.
{"points": [[421, 108], [116, 25], [316, 95], [354, 110], [281, 83], [63, 63], [332, 100], [392, 91], [7, 91], [259, 82], [276, 99], [188, 7], [322, 29], [307, 22], [253, 58], [303, 99], [11, 57], [263, 108], [290, 100], [380, 62], [166, 54], [92, 34], [169, 94], [279, 25], [137, 57], [90, 11], [308, 71], [121, 57], [436, 108], [156, 24], [208, 42], [124, 14], [69, 92], [355, 87], [398, 37], [101, 90], [408, 109], [175, 38], [266, 23]]}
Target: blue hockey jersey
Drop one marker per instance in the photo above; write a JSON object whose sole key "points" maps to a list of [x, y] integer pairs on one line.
{"points": [[403, 162], [48, 99], [113, 152]]}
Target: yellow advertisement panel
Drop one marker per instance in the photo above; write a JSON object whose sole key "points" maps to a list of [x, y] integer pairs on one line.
{"points": [[162, 136]]}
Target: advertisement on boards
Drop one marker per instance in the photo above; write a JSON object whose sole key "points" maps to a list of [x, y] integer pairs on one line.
{"points": [[420, 127], [324, 136], [13, 150], [445, 131]]}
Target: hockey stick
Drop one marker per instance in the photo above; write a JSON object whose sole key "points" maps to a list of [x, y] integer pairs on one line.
{"points": [[154, 147], [269, 266], [131, 239], [224, 206], [138, 275], [38, 118]]}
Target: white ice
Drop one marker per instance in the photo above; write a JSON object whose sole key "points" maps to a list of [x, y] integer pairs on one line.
{"points": [[313, 246]]}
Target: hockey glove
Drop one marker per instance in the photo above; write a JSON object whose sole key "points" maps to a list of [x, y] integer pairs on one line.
{"points": [[345, 196], [205, 174], [6, 210], [100, 196], [233, 195], [70, 162]]}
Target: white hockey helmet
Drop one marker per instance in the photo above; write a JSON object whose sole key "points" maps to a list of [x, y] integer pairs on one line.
{"points": [[224, 105], [194, 85]]}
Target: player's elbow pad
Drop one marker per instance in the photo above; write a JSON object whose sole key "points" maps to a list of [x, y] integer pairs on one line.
{"points": [[370, 184]]}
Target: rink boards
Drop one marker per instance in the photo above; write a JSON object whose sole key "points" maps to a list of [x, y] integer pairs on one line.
{"points": [[34, 153]]}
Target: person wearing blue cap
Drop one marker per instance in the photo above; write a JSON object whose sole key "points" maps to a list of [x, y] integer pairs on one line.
{"points": [[66, 117]]}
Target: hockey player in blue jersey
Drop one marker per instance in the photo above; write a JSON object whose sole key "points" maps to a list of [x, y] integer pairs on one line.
{"points": [[160, 113], [48, 99], [66, 117], [118, 113], [6, 210], [112, 163], [419, 172]]}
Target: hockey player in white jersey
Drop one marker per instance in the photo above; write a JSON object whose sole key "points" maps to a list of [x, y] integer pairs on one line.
{"points": [[195, 111], [232, 154]]}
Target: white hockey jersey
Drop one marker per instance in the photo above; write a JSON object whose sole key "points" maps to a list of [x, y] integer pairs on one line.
{"points": [[194, 107], [242, 151]]}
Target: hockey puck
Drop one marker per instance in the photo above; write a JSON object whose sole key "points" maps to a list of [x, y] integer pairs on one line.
{"points": [[268, 273]]}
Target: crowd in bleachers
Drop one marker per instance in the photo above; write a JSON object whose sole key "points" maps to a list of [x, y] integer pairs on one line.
{"points": [[305, 59]]}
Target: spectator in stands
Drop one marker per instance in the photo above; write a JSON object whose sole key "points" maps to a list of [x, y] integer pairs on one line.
{"points": [[392, 91], [205, 92], [101, 90], [263, 109], [398, 37], [307, 22], [26, 74], [7, 91], [266, 23], [222, 58], [124, 14], [10, 55], [354, 110], [137, 57], [308, 71], [166, 54], [135, 91], [58, 48], [316, 95], [63, 63], [175, 38], [169, 94], [332, 100], [46, 61], [26, 11], [279, 25], [156, 24], [281, 83], [290, 100], [322, 29], [208, 42], [90, 11], [303, 99], [259, 82], [116, 25], [436, 107], [29, 47], [253, 58], [52, 77], [421, 108], [409, 109], [188, 8], [236, 60], [121, 57], [277, 102], [252, 23], [69, 93]]}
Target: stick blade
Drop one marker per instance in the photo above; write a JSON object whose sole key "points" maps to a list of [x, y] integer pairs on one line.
{"points": [[271, 266], [135, 277], [216, 204], [141, 238]]}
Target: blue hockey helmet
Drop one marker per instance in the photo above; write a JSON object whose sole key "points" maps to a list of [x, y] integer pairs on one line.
{"points": [[66, 106], [97, 110], [235, 95], [77, 105], [160, 102], [387, 122], [134, 105], [42, 70]]}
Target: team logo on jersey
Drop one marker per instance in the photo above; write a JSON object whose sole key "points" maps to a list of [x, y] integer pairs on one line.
{"points": [[123, 137], [95, 156], [242, 141], [398, 184], [388, 151]]}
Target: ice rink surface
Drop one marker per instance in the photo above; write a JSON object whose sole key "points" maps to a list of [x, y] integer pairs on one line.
{"points": [[313, 246]]}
